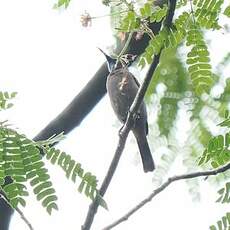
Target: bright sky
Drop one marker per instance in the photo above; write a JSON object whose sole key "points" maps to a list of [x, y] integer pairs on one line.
{"points": [[47, 57]]}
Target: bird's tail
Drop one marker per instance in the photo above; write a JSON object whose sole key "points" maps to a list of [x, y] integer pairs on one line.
{"points": [[146, 156]]}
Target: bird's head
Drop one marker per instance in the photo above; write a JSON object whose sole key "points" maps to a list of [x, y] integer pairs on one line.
{"points": [[111, 62], [125, 61]]}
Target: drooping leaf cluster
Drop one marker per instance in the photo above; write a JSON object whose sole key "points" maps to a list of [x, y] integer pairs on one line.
{"points": [[207, 13], [74, 170], [222, 224], [167, 38], [184, 81], [20, 160], [217, 154], [187, 29], [198, 61]]}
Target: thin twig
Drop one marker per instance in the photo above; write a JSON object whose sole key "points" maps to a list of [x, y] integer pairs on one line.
{"points": [[120, 147], [124, 49], [125, 131], [164, 186], [121, 143], [3, 196]]}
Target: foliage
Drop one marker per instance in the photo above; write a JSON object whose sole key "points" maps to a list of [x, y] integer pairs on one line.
{"points": [[227, 11], [198, 61], [224, 223], [171, 73], [187, 76], [21, 160], [4, 100], [217, 151], [218, 154], [181, 93], [207, 13], [181, 3], [226, 122], [168, 37], [62, 3], [73, 170], [183, 84]]}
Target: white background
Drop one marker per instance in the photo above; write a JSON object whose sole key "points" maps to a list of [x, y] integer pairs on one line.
{"points": [[47, 57]]}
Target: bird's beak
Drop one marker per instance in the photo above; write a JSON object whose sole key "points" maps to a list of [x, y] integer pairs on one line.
{"points": [[111, 62]]}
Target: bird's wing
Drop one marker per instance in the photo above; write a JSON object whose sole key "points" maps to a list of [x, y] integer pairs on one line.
{"points": [[146, 125]]}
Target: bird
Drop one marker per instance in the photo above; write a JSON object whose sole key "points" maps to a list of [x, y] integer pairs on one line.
{"points": [[122, 88]]}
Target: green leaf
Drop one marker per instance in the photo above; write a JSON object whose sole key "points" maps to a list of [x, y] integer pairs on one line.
{"points": [[48, 200], [227, 11], [81, 186], [50, 207], [42, 186], [102, 202], [45, 193], [61, 3], [16, 201]]}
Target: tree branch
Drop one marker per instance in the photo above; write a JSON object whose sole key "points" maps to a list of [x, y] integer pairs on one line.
{"points": [[126, 128], [164, 186], [121, 143]]}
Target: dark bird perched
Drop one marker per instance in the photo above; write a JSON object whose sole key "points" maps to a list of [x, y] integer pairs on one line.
{"points": [[122, 88]]}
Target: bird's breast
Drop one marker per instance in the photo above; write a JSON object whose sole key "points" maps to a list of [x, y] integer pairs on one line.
{"points": [[123, 83], [121, 91]]}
